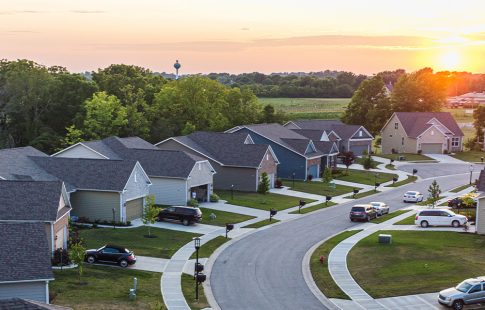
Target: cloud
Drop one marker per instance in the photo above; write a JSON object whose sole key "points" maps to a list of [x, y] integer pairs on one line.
{"points": [[21, 12], [88, 12], [245, 29]]}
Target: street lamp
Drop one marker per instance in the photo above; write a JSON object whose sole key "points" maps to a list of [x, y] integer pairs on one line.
{"points": [[471, 172], [198, 276]]}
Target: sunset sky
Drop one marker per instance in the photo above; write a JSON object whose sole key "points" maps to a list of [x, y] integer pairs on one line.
{"points": [[245, 35]]}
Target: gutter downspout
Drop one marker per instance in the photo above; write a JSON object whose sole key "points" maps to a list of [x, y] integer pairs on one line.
{"points": [[52, 239], [47, 292]]}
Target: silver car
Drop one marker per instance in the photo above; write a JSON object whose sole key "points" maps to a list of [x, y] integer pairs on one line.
{"points": [[380, 207], [470, 291]]}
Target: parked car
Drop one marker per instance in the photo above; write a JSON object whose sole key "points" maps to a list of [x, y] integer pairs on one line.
{"points": [[470, 291], [362, 212], [439, 217], [186, 215], [380, 207], [413, 196], [455, 203], [111, 254]]}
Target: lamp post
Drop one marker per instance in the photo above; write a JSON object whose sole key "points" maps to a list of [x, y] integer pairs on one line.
{"points": [[471, 172], [198, 267]]}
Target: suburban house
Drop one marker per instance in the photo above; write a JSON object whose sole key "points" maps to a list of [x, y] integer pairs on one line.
{"points": [[353, 138], [480, 215], [26, 261], [426, 132], [323, 144], [239, 162], [298, 156], [176, 176], [38, 201]]}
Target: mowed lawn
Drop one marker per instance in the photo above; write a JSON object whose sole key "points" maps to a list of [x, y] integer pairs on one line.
{"points": [[106, 287], [318, 188], [470, 156], [222, 217], [309, 108], [209, 247], [364, 177], [164, 246], [260, 201], [408, 156], [416, 262]]}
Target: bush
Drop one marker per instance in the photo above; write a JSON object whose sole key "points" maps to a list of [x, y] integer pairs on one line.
{"points": [[309, 177], [445, 152], [336, 171], [214, 198], [420, 151], [368, 164], [56, 260], [278, 183], [193, 203]]}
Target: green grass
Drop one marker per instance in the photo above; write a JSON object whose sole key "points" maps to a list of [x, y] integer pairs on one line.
{"points": [[262, 223], [389, 216], [459, 115], [222, 217], [314, 208], [208, 248], [260, 201], [361, 160], [308, 105], [470, 156], [106, 288], [408, 156], [428, 202], [362, 195], [410, 179], [390, 167], [320, 272], [164, 246], [416, 262], [460, 188], [364, 177], [407, 221], [318, 188], [188, 289]]}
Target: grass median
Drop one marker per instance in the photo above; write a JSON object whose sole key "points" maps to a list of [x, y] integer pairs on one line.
{"points": [[260, 201], [209, 247], [318, 188], [364, 177], [389, 216], [314, 208], [222, 217]]}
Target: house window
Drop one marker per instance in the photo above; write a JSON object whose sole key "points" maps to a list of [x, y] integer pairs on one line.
{"points": [[402, 141], [136, 178], [360, 133], [455, 142], [432, 132], [396, 125], [267, 156]]}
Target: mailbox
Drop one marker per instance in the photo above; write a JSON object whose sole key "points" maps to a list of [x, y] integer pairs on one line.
{"points": [[302, 202], [328, 198], [356, 191], [415, 171], [201, 277], [199, 267], [229, 227], [273, 212]]}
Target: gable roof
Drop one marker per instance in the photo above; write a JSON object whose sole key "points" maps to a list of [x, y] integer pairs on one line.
{"points": [[317, 124], [26, 304], [313, 134], [344, 131], [415, 123], [227, 149], [30, 200], [15, 164], [481, 181], [326, 147], [25, 251]]}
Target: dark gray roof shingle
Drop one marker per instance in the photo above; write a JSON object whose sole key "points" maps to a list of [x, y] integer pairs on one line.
{"points": [[25, 304], [313, 134], [25, 252], [317, 124], [415, 123], [325, 146], [15, 164]]}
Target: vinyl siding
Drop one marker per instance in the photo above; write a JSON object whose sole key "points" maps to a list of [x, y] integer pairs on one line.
{"points": [[95, 205], [59, 226], [392, 138], [481, 216], [26, 290], [137, 185], [436, 138], [201, 174], [80, 151], [169, 191]]}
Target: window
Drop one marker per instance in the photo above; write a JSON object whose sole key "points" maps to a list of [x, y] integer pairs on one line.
{"points": [[455, 142], [360, 133], [476, 288], [432, 132], [136, 177], [402, 141], [110, 250], [267, 156], [396, 125]]}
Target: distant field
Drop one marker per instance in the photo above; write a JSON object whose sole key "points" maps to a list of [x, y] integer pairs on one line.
{"points": [[327, 108]]}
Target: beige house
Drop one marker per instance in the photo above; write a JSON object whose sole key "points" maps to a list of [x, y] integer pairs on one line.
{"points": [[480, 218], [426, 132]]}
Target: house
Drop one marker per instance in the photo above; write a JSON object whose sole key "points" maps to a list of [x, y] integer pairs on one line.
{"points": [[323, 144], [480, 215], [297, 155], [26, 265], [26, 304], [176, 176], [353, 138], [426, 132], [38, 201], [236, 159]]}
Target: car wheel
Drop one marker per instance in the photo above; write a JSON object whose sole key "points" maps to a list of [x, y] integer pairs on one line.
{"points": [[455, 224], [124, 263], [424, 224], [458, 305], [185, 222], [91, 259]]}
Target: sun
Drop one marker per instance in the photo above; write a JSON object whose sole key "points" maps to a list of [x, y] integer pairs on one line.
{"points": [[450, 60]]}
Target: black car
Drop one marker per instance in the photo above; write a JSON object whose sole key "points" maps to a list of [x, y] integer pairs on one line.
{"points": [[186, 215], [111, 254], [455, 203], [362, 212]]}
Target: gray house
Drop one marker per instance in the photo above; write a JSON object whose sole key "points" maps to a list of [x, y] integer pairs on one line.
{"points": [[237, 160], [353, 138], [25, 260], [38, 201], [176, 176]]}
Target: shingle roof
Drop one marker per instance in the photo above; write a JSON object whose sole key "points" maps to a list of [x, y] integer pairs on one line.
{"points": [[30, 200], [317, 124], [15, 164], [325, 146], [313, 134], [137, 143], [415, 123], [80, 173], [226, 148], [25, 304], [344, 131], [25, 252], [481, 181]]}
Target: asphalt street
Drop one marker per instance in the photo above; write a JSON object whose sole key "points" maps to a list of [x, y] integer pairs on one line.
{"points": [[264, 270]]}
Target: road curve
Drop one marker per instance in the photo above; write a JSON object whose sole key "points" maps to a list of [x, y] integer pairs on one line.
{"points": [[264, 270]]}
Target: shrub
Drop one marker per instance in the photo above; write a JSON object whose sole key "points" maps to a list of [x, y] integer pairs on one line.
{"points": [[278, 183], [56, 260], [309, 177], [193, 203], [445, 152], [336, 171], [263, 186], [214, 198], [368, 164], [420, 151]]}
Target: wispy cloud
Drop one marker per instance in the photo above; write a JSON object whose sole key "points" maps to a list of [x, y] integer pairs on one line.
{"points": [[88, 12]]}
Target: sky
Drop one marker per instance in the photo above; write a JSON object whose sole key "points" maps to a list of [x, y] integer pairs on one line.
{"points": [[244, 35]]}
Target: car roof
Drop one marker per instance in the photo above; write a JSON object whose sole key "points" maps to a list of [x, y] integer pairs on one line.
{"points": [[413, 192], [115, 246], [435, 209], [377, 202], [476, 280], [363, 205]]}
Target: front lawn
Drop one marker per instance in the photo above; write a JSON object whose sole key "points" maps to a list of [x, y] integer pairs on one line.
{"points": [[361, 160], [318, 188], [314, 208], [260, 201], [364, 177], [408, 156], [208, 248], [390, 167], [188, 289], [410, 179], [470, 156], [262, 223], [222, 217], [319, 270], [460, 188], [407, 221], [362, 195], [164, 246], [106, 288], [389, 216], [416, 262]]}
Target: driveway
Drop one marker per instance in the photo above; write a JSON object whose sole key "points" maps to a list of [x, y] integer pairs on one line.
{"points": [[264, 269], [446, 159]]}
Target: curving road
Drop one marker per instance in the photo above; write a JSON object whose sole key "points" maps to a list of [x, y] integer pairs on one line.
{"points": [[264, 270]]}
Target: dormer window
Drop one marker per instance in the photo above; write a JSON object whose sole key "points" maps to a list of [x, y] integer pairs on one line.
{"points": [[360, 133]]}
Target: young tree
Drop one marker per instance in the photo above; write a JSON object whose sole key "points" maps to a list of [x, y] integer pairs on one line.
{"points": [[434, 193], [327, 175], [150, 213], [76, 253], [367, 162], [348, 159], [264, 185]]}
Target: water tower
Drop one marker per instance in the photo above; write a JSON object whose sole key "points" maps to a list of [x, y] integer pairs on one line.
{"points": [[177, 67]]}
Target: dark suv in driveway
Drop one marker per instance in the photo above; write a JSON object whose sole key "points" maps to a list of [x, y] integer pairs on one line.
{"points": [[186, 215], [362, 212], [111, 254]]}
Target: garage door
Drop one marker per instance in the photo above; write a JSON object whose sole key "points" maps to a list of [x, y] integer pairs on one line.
{"points": [[134, 209], [431, 148], [359, 149], [271, 180], [313, 170]]}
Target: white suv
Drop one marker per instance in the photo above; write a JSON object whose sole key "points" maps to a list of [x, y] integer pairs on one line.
{"points": [[439, 217]]}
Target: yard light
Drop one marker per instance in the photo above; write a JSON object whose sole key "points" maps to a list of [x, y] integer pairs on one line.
{"points": [[232, 191], [198, 267], [229, 227]]}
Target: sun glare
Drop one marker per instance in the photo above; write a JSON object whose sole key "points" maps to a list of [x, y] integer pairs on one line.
{"points": [[450, 60]]}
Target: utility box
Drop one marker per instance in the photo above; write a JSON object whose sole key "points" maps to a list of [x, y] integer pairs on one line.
{"points": [[385, 239]]}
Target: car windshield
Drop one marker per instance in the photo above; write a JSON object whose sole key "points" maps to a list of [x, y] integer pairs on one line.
{"points": [[411, 193], [375, 204], [464, 286], [358, 209]]}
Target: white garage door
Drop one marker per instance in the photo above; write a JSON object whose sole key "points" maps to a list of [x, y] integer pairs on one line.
{"points": [[432, 148]]}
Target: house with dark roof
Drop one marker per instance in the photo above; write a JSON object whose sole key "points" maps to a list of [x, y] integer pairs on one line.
{"points": [[297, 155], [480, 214], [353, 138], [38, 201], [239, 162], [426, 132], [27, 304], [176, 176], [26, 265]]}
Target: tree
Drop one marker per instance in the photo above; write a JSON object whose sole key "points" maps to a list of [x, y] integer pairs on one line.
{"points": [[479, 123], [76, 254], [271, 116], [367, 162], [327, 175], [264, 185], [348, 159], [150, 213], [434, 193]]}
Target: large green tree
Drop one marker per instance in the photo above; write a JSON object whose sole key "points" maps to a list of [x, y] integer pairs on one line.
{"points": [[479, 122]]}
